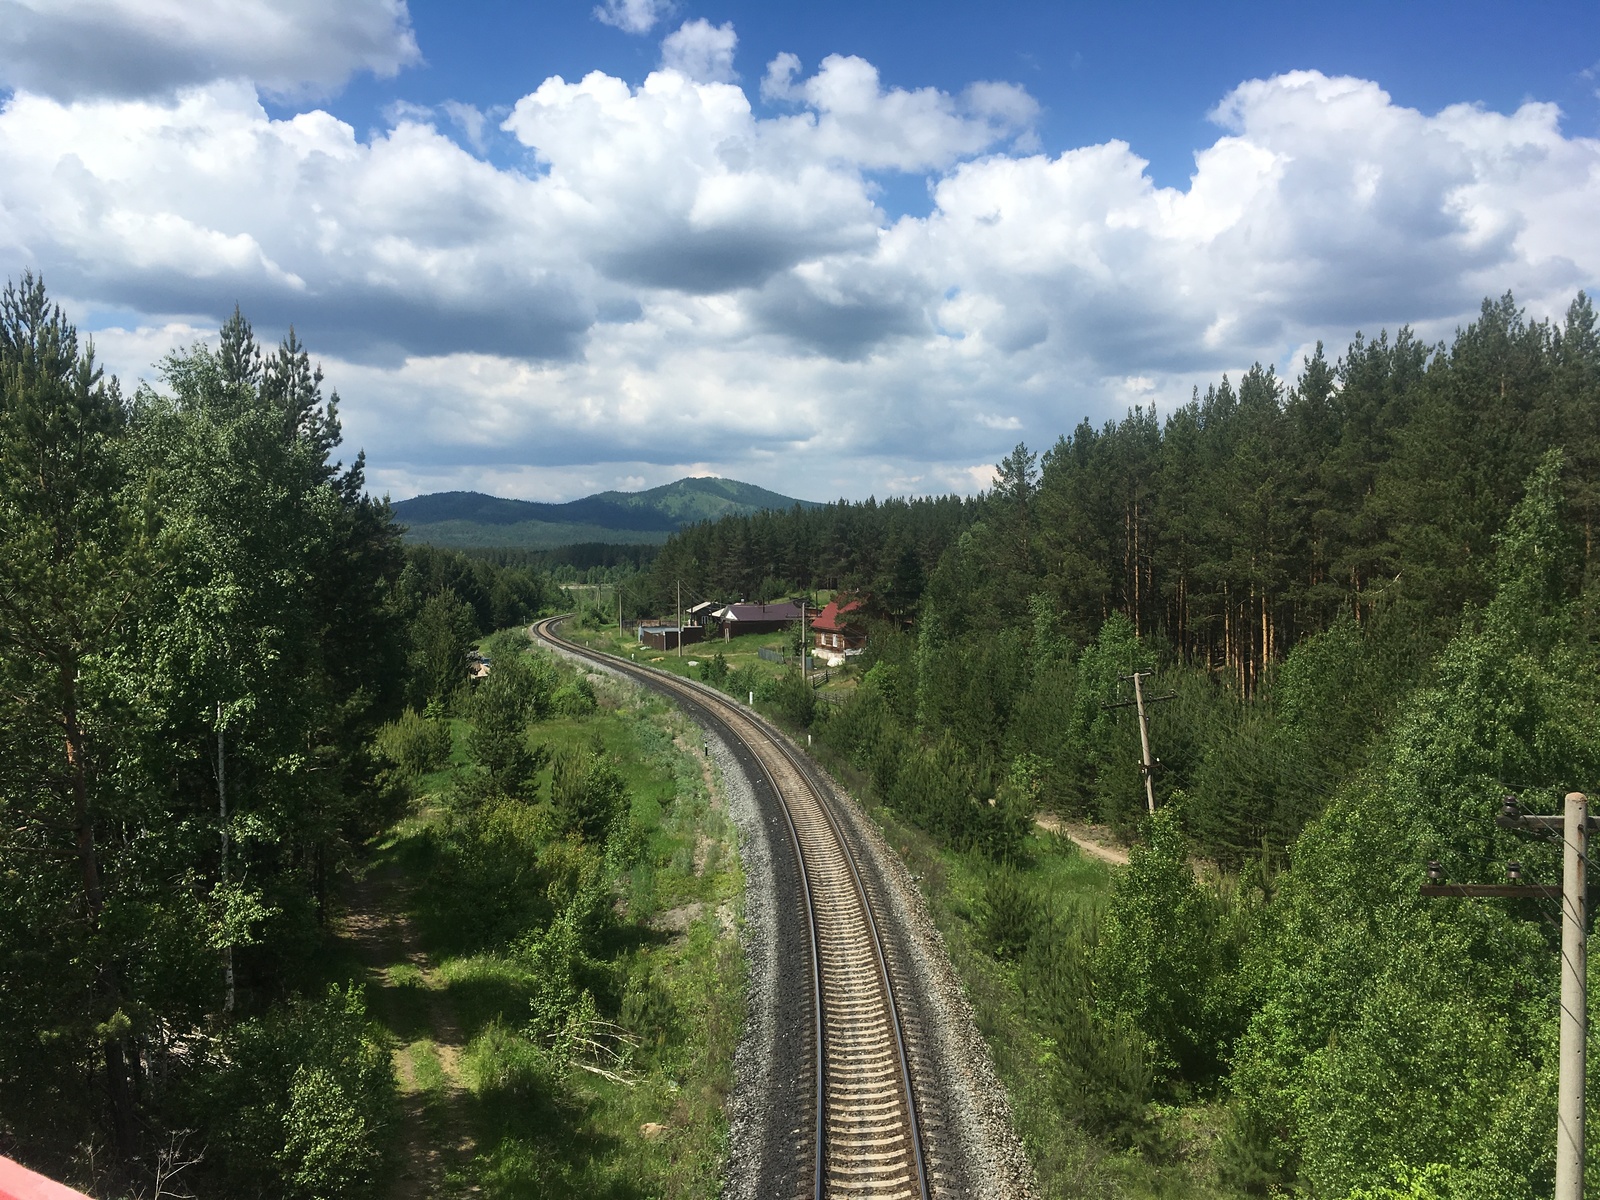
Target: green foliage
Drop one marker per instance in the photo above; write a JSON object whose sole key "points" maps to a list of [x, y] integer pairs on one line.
{"points": [[587, 795], [297, 1102], [487, 873], [1009, 916], [574, 698], [1167, 956], [442, 633], [1098, 1075], [793, 697], [515, 693], [414, 744], [1389, 1027], [1431, 1182], [715, 670]]}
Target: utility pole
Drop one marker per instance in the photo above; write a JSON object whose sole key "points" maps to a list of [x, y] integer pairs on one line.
{"points": [[1147, 765], [1573, 826], [805, 650], [680, 618]]}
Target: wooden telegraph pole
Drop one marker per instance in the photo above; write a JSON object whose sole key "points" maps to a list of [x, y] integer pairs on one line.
{"points": [[1573, 826], [1147, 765], [680, 618]]}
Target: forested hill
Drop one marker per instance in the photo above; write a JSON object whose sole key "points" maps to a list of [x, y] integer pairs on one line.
{"points": [[472, 519]]}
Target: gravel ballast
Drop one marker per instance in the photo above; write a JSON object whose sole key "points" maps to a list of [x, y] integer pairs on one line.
{"points": [[966, 1120]]}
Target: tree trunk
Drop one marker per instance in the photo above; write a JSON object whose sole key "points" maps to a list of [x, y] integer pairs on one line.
{"points": [[106, 983]]}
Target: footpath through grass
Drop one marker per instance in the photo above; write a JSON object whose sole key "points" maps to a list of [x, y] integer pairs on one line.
{"points": [[562, 998]]}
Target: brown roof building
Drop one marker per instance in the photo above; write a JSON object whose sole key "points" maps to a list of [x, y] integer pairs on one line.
{"points": [[839, 630], [740, 619]]}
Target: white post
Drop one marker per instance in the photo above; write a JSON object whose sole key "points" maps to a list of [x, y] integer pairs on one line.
{"points": [[1574, 997]]}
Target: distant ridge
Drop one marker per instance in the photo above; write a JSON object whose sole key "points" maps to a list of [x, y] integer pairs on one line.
{"points": [[471, 519]]}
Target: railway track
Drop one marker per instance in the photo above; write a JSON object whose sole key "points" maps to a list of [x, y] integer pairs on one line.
{"points": [[868, 1142]]}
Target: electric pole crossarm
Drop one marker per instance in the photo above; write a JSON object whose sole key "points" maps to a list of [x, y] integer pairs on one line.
{"points": [[1509, 890]]}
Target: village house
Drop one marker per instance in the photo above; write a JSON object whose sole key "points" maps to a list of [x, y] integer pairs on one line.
{"points": [[739, 619], [839, 630]]}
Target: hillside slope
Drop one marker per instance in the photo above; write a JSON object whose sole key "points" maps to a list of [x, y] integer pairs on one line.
{"points": [[472, 519]]}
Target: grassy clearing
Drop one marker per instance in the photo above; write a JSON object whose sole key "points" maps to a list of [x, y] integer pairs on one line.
{"points": [[741, 653], [508, 1116]]}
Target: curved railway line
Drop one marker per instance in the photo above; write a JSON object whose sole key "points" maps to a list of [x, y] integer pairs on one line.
{"points": [[868, 1141]]}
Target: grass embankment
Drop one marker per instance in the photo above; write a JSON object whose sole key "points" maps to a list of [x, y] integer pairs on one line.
{"points": [[451, 928]]}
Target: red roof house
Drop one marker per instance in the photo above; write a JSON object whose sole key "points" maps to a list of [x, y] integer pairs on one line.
{"points": [[840, 629]]}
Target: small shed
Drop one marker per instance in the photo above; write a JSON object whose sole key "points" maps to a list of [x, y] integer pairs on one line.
{"points": [[670, 637]]}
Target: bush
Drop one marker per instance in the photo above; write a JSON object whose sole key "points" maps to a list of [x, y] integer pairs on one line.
{"points": [[504, 704], [793, 697], [298, 1102], [1096, 1064], [575, 698], [1166, 958], [586, 794], [502, 1062], [1008, 914], [414, 744], [485, 881]]}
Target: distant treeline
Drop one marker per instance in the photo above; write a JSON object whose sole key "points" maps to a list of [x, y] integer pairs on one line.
{"points": [[1248, 519], [581, 562], [885, 547]]}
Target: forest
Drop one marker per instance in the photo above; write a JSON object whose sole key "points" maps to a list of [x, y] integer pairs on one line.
{"points": [[1368, 600]]}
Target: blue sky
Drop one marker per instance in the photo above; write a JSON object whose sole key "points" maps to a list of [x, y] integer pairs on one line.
{"points": [[1145, 73], [833, 249]]}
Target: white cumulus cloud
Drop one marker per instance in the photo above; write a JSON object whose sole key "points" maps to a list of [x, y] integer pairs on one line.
{"points": [[632, 16], [674, 280], [702, 51], [81, 48]]}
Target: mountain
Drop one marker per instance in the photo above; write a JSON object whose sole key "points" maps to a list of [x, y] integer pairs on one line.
{"points": [[472, 519]]}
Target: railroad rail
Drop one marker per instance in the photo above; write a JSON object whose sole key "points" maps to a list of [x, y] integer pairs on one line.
{"points": [[868, 1141]]}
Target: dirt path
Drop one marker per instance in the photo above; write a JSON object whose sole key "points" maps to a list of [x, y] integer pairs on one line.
{"points": [[408, 997], [1093, 840]]}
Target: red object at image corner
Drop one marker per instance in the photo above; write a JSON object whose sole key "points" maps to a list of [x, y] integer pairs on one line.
{"points": [[19, 1183]]}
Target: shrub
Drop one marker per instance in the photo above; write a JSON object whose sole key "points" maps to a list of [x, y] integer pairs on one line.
{"points": [[1164, 958], [415, 744], [586, 794], [297, 1102], [1008, 913], [575, 698], [793, 697]]}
